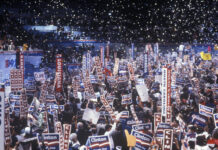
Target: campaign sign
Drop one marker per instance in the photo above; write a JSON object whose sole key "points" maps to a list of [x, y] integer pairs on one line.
{"points": [[206, 111], [168, 139], [16, 78], [143, 141], [124, 115], [58, 129], [50, 140], [215, 116], [157, 120], [126, 99], [160, 129], [142, 127], [39, 76], [67, 132], [99, 143], [2, 114], [199, 120]]}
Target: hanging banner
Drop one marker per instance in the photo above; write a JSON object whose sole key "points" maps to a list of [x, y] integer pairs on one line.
{"points": [[168, 139], [206, 111], [215, 116], [22, 65], [67, 132], [16, 78], [143, 141], [59, 72], [2, 115], [102, 56], [99, 142]]}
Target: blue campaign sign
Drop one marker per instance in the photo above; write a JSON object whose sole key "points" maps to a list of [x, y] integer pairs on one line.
{"points": [[143, 141], [51, 141], [99, 143]]}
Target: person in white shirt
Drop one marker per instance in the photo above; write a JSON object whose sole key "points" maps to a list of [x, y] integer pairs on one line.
{"points": [[109, 129]]}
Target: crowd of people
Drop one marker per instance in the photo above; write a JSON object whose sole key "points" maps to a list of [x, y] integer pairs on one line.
{"points": [[194, 82]]}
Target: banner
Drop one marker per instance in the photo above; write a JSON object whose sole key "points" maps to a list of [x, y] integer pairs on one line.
{"points": [[126, 99], [7, 62], [84, 62], [142, 91], [102, 56], [16, 78], [168, 139], [39, 76], [67, 132], [116, 66], [43, 92], [157, 120], [146, 63], [58, 129], [2, 115], [99, 69], [132, 51], [168, 118], [166, 90], [124, 115], [50, 140], [99, 143], [91, 115], [143, 141], [59, 72], [134, 114], [215, 116], [131, 71], [22, 65], [88, 61], [7, 132], [107, 51], [206, 111], [142, 127], [107, 107], [160, 129]]}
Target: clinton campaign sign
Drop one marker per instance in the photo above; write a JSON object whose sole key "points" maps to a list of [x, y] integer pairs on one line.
{"points": [[99, 143]]}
